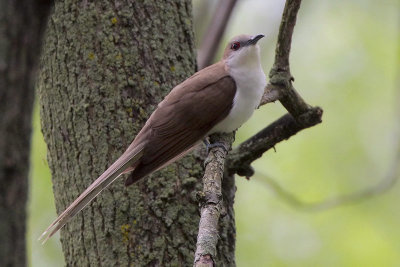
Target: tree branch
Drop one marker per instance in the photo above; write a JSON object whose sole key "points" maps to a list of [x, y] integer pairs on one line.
{"points": [[388, 181], [214, 33], [285, 34], [280, 76], [279, 88], [210, 201], [240, 158], [301, 115], [211, 197], [384, 185]]}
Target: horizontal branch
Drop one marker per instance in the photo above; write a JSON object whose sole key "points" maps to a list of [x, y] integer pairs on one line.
{"points": [[240, 158]]}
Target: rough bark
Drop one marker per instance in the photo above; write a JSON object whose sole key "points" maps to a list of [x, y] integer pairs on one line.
{"points": [[216, 191], [21, 28], [105, 66]]}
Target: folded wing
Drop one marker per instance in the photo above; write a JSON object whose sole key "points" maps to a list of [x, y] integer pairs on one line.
{"points": [[183, 119]]}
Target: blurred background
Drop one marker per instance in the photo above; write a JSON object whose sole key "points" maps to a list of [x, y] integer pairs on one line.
{"points": [[345, 57]]}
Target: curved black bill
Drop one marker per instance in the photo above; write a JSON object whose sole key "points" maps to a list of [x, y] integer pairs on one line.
{"points": [[255, 39]]}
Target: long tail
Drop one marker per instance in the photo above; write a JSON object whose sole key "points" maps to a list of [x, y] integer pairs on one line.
{"points": [[110, 175]]}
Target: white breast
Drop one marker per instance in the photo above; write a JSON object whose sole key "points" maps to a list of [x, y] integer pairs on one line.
{"points": [[250, 83]]}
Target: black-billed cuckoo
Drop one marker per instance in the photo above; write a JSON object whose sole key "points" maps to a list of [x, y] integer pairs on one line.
{"points": [[219, 98]]}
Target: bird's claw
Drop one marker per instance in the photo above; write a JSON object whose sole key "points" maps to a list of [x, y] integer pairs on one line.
{"points": [[216, 144]]}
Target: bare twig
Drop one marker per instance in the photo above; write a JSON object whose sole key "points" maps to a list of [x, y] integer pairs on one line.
{"points": [[280, 76], [282, 50], [240, 158], [210, 200], [214, 33], [280, 87], [280, 84], [385, 184]]}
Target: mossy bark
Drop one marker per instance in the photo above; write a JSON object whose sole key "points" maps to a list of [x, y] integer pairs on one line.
{"points": [[105, 66], [21, 28]]}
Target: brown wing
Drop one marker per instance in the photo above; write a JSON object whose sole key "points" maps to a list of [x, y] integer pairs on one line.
{"points": [[182, 119]]}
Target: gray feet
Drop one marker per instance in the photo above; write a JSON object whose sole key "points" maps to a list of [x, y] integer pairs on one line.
{"points": [[216, 144]]}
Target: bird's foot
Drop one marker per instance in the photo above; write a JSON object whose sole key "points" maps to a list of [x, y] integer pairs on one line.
{"points": [[216, 144]]}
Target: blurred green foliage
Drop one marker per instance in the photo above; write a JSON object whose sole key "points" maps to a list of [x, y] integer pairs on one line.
{"points": [[345, 58]]}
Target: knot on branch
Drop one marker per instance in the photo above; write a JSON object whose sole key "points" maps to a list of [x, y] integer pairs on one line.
{"points": [[208, 198], [205, 261], [281, 78], [311, 117], [245, 170]]}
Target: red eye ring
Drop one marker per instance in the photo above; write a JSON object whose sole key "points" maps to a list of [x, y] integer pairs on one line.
{"points": [[235, 46]]}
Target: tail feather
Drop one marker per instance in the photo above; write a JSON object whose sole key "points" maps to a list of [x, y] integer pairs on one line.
{"points": [[109, 176]]}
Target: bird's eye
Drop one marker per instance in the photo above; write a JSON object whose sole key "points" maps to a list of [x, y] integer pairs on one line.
{"points": [[235, 46]]}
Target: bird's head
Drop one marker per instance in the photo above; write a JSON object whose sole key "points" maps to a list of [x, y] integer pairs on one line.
{"points": [[243, 50]]}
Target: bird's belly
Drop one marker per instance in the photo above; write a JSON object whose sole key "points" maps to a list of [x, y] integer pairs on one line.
{"points": [[245, 102]]}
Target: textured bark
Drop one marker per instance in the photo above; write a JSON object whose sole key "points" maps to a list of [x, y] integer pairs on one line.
{"points": [[105, 66], [212, 204], [21, 27]]}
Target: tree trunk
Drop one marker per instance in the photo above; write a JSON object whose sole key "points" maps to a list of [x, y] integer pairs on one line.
{"points": [[106, 65], [21, 28]]}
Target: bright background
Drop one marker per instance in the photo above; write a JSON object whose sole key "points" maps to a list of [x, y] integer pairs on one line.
{"points": [[345, 58]]}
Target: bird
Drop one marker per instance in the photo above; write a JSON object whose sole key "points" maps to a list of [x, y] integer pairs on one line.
{"points": [[216, 99]]}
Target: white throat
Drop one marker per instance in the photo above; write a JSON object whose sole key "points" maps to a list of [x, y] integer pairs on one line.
{"points": [[245, 68]]}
